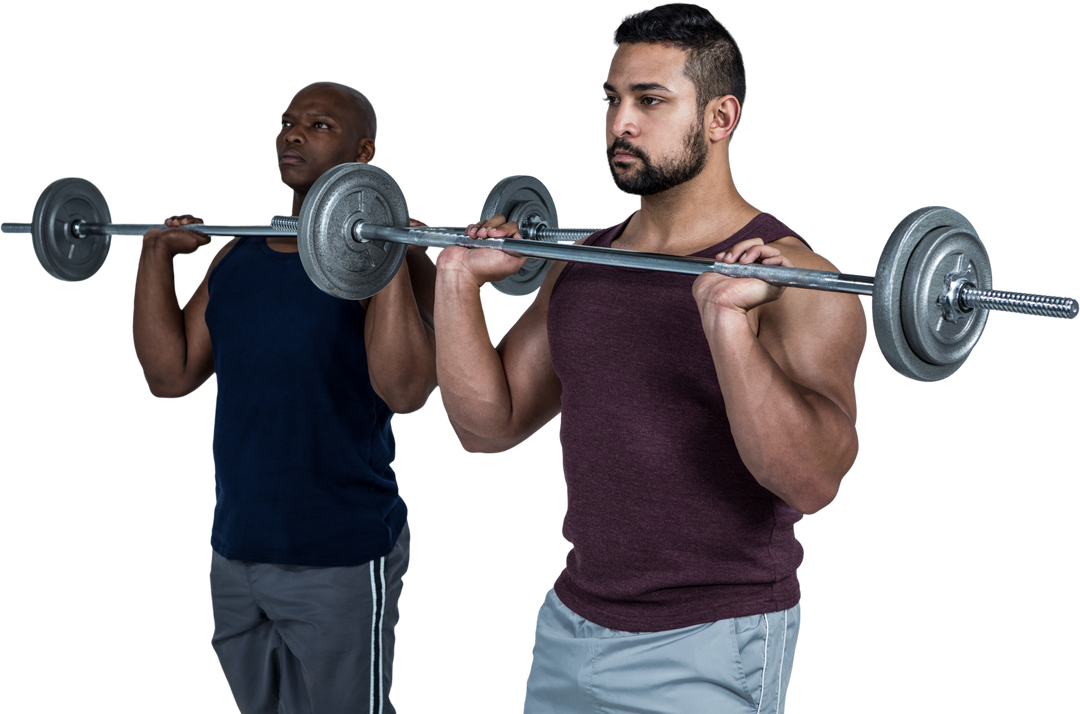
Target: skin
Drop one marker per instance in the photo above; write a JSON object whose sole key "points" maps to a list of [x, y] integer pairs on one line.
{"points": [[325, 125], [785, 359]]}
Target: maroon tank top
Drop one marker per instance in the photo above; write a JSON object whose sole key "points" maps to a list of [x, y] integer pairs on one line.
{"points": [[669, 529]]}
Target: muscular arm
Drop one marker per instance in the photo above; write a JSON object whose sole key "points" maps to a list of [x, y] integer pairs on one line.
{"points": [[787, 372], [172, 344], [495, 397], [399, 338]]}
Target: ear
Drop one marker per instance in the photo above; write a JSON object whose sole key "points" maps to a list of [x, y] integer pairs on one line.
{"points": [[366, 151], [721, 116]]}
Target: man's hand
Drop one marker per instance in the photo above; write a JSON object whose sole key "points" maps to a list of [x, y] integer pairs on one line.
{"points": [[715, 291], [175, 239], [480, 265]]}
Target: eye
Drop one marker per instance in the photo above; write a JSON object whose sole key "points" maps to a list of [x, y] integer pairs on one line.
{"points": [[321, 125], [285, 123], [651, 101], [610, 100]]}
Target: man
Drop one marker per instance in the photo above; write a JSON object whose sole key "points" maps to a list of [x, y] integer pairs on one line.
{"points": [[310, 537], [700, 417]]}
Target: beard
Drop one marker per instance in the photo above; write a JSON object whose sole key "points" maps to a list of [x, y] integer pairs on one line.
{"points": [[655, 178]]}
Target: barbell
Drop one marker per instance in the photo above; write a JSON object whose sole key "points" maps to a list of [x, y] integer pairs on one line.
{"points": [[931, 291], [72, 230]]}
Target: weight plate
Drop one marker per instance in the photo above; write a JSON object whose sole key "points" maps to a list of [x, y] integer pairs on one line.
{"points": [[888, 291], [336, 262], [62, 254], [930, 334], [522, 198]]}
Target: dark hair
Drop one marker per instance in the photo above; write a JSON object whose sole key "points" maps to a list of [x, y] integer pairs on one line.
{"points": [[713, 61]]}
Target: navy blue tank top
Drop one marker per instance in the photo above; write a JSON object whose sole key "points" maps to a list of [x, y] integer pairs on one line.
{"points": [[302, 444]]}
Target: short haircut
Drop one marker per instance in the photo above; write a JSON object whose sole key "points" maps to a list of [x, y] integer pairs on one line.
{"points": [[713, 61]]}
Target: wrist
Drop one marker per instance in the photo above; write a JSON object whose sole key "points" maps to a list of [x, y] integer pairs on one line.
{"points": [[456, 279], [728, 323], [154, 247]]}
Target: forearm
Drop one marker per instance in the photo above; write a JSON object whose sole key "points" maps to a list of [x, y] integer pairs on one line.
{"points": [[796, 442], [158, 325], [400, 346], [472, 378]]}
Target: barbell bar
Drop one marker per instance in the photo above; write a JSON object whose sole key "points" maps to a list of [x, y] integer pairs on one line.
{"points": [[72, 228], [277, 226], [931, 292]]}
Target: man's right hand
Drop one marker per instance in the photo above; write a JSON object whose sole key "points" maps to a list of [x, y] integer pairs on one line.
{"points": [[480, 265], [176, 239]]}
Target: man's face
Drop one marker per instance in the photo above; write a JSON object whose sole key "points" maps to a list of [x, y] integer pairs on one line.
{"points": [[320, 129], [655, 137]]}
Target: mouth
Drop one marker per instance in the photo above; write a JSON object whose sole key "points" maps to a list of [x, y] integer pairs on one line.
{"points": [[622, 157], [291, 157], [622, 162]]}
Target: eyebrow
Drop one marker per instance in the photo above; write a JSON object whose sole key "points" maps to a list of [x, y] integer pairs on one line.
{"points": [[312, 115], [641, 87]]}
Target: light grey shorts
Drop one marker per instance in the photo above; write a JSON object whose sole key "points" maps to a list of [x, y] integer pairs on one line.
{"points": [[306, 640], [738, 665]]}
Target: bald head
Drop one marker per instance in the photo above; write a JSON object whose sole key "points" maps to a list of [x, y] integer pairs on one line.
{"points": [[360, 110], [364, 113]]}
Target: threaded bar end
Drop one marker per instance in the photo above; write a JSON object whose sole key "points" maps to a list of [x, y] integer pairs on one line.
{"points": [[563, 235], [285, 223], [1045, 305]]}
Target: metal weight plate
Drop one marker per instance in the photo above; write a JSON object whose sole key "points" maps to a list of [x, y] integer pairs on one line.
{"points": [[520, 198], [933, 336], [62, 254], [336, 262], [936, 224]]}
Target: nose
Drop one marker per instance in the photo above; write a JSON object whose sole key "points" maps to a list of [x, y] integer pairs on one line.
{"points": [[621, 120], [294, 135]]}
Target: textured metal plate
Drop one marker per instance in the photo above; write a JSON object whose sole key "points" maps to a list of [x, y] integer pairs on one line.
{"points": [[520, 198], [933, 336], [336, 262], [62, 254], [936, 224]]}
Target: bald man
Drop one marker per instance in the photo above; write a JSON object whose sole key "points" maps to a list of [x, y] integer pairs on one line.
{"points": [[310, 539]]}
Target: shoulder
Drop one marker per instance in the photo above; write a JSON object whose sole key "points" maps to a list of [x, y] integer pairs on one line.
{"points": [[829, 321], [801, 255], [225, 250]]}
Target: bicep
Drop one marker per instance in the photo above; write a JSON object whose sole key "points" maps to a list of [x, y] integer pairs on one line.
{"points": [[422, 277], [816, 337]]}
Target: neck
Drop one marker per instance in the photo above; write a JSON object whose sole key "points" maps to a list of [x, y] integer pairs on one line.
{"points": [[691, 216], [297, 202]]}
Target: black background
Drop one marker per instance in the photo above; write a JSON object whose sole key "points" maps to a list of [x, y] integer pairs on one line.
{"points": [[943, 560]]}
